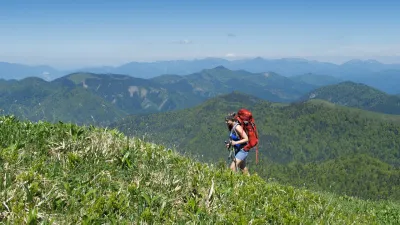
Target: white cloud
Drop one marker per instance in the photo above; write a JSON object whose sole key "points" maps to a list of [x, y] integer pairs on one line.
{"points": [[186, 42], [230, 55], [183, 42]]}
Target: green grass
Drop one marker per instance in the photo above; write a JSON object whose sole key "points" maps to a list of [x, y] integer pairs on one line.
{"points": [[66, 174]]}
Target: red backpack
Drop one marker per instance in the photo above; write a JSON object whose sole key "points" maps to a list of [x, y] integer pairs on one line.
{"points": [[246, 120]]}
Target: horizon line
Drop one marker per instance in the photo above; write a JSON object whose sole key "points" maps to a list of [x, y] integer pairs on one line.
{"points": [[231, 59]]}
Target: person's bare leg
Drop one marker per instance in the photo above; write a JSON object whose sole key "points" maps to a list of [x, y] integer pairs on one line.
{"points": [[244, 168], [238, 164]]}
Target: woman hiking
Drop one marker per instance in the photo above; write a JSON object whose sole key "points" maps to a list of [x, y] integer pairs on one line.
{"points": [[238, 139]]}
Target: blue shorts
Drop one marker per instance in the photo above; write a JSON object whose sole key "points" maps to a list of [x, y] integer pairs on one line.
{"points": [[241, 154]]}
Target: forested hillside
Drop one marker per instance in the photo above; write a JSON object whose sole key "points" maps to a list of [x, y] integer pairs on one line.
{"points": [[35, 99], [357, 95]]}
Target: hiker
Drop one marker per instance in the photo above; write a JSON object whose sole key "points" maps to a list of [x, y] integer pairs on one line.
{"points": [[238, 139]]}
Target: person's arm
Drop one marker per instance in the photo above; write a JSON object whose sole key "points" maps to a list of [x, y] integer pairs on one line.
{"points": [[242, 134]]}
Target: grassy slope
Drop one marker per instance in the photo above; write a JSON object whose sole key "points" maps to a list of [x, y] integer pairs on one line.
{"points": [[61, 173]]}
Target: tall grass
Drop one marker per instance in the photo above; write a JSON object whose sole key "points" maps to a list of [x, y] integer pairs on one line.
{"points": [[66, 174]]}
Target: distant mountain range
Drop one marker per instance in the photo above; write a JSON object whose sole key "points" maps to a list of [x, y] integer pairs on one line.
{"points": [[104, 98], [286, 67], [316, 79], [220, 80], [16, 71], [371, 72]]}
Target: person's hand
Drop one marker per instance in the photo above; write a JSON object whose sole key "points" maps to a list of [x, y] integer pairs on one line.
{"points": [[228, 143]]}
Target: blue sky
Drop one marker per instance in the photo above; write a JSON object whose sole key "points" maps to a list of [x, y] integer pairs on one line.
{"points": [[92, 33]]}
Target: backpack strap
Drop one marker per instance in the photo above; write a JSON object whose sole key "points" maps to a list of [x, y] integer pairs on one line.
{"points": [[234, 129]]}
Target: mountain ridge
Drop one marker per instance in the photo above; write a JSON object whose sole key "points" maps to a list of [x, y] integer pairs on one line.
{"points": [[121, 94], [209, 62], [371, 72]]}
